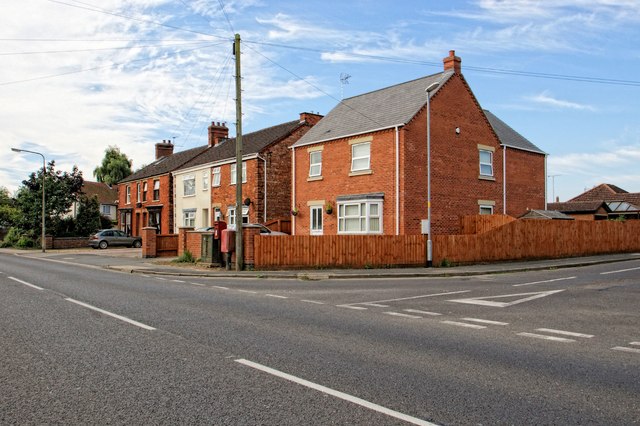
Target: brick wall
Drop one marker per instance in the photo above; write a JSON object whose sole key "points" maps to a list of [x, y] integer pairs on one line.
{"points": [[65, 242], [525, 182], [140, 215], [194, 243]]}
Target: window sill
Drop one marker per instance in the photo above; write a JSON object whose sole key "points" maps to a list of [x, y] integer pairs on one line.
{"points": [[491, 178], [314, 178], [361, 172], [189, 196]]}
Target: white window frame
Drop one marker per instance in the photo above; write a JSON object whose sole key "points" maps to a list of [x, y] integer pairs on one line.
{"points": [[215, 179], [205, 180], [232, 179], [145, 188], [138, 193], [485, 164], [105, 209], [189, 218], [128, 194], [488, 209], [315, 167], [355, 158], [156, 187], [364, 216], [231, 218], [186, 186], [217, 214], [315, 220]]}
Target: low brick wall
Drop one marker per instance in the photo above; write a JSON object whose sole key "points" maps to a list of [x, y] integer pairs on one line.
{"points": [[66, 242]]}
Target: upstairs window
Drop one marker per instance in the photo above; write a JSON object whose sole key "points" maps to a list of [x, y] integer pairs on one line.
{"points": [[189, 185], [128, 195], [315, 164], [233, 173], [486, 162], [145, 188], [215, 181], [360, 156], [138, 195], [205, 180], [156, 190]]}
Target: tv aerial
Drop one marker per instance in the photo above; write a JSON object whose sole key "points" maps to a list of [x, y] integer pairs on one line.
{"points": [[344, 79]]}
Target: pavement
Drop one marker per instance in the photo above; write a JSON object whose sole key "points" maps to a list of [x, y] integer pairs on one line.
{"points": [[131, 261]]}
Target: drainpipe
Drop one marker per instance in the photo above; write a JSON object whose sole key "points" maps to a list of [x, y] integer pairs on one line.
{"points": [[504, 180], [264, 216], [545, 181], [293, 188], [397, 182]]}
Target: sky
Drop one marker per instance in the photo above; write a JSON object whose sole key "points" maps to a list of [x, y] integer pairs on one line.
{"points": [[80, 76]]}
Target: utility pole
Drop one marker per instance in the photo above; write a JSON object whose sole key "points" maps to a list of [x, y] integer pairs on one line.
{"points": [[239, 248]]}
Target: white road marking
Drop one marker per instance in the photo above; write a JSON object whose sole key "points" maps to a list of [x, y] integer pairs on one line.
{"points": [[144, 275], [248, 291], [337, 394], [372, 303], [26, 283], [161, 279], [359, 308], [546, 281], [464, 324], [564, 333], [220, 287], [111, 314], [618, 271], [198, 284], [635, 343], [623, 349], [398, 314], [69, 258], [313, 301], [177, 281], [375, 305], [484, 302], [276, 296], [542, 336], [418, 311], [484, 321]]}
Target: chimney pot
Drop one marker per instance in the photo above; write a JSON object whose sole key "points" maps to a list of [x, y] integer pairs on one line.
{"points": [[164, 149], [452, 62], [217, 132]]}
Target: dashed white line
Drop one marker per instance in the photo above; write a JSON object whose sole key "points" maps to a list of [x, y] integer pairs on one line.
{"points": [[161, 279], [418, 311], [248, 291], [545, 281], [564, 333], [635, 343], [26, 283], [464, 324], [484, 321], [399, 314], [357, 308], [198, 284], [177, 281], [623, 349], [411, 297], [276, 296], [375, 305], [542, 336], [312, 301], [220, 287], [69, 258], [337, 394], [618, 271], [111, 314]]}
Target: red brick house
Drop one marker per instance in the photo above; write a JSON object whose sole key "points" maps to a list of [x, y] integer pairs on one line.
{"points": [[145, 198], [205, 187], [363, 168], [605, 201]]}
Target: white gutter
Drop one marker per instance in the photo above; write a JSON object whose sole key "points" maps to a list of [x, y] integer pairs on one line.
{"points": [[397, 182], [264, 217], [293, 188], [364, 132], [504, 179]]}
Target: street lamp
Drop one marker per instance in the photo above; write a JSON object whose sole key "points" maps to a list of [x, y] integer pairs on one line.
{"points": [[44, 171], [433, 86]]}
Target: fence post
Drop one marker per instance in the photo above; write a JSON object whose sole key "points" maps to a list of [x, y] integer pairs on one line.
{"points": [[149, 247], [182, 239]]}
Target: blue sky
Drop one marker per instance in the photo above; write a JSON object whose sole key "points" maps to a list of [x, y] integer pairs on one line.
{"points": [[79, 76]]}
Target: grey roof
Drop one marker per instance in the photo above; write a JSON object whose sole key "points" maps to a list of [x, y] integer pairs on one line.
{"points": [[546, 214], [165, 164], [252, 143], [508, 136], [380, 109]]}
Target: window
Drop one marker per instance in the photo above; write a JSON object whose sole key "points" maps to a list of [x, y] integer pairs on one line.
{"points": [[216, 176], [360, 217], [128, 194], [106, 209], [316, 220], [315, 163], [217, 214], [231, 216], [205, 180], [486, 209], [189, 185], [156, 190], [360, 156], [189, 218], [138, 194], [233, 173], [145, 188], [486, 163]]}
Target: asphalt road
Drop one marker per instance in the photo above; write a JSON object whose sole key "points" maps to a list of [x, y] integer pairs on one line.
{"points": [[547, 347]]}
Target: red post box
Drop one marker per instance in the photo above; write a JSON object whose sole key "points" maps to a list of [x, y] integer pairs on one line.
{"points": [[228, 241]]}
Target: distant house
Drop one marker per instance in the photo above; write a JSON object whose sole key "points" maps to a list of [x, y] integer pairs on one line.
{"points": [[205, 187], [605, 201], [106, 195], [545, 215], [363, 168]]}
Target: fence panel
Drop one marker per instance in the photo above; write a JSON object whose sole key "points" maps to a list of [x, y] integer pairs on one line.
{"points": [[166, 245]]}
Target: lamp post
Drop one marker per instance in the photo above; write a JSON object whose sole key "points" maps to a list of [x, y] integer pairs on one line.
{"points": [[44, 171], [428, 90]]}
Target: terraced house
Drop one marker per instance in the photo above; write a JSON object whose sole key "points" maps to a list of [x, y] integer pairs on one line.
{"points": [[363, 168]]}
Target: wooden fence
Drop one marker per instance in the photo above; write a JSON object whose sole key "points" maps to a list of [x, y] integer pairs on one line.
{"points": [[341, 251], [539, 239], [167, 245], [281, 225], [481, 223]]}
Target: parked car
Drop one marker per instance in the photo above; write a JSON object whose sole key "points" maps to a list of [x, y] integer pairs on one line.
{"points": [[263, 229], [113, 237]]}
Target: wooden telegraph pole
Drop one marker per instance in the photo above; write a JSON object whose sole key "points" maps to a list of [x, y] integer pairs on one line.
{"points": [[239, 248]]}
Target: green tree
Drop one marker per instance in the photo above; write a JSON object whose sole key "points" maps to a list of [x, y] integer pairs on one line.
{"points": [[88, 219], [61, 190], [9, 214], [115, 166]]}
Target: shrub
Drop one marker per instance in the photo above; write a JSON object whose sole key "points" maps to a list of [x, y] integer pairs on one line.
{"points": [[186, 257], [25, 242], [11, 239]]}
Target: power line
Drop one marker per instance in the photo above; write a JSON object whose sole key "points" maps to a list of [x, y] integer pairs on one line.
{"points": [[102, 49], [226, 16]]}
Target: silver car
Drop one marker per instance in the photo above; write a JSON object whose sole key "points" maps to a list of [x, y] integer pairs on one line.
{"points": [[113, 237]]}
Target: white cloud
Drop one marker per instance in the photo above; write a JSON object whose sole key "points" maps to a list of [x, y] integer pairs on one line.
{"points": [[546, 99]]}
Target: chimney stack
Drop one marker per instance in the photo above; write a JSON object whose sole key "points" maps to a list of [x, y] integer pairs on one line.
{"points": [[452, 62], [310, 118], [217, 132], [164, 149]]}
